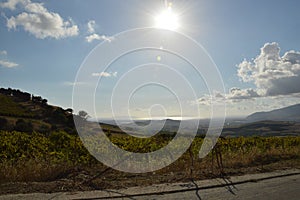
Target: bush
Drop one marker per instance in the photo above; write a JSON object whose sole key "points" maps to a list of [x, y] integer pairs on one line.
{"points": [[23, 126], [44, 129]]}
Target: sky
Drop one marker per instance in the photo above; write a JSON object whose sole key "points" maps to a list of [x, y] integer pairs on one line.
{"points": [[254, 45]]}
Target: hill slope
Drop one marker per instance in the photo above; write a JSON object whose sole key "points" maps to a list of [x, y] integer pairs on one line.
{"points": [[290, 113], [263, 128], [22, 111]]}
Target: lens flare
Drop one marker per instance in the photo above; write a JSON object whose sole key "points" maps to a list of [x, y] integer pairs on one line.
{"points": [[167, 20]]}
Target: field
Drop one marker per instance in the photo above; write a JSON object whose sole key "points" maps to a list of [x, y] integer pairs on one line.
{"points": [[34, 162]]}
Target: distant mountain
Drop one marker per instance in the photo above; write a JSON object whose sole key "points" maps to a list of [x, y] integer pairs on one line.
{"points": [[263, 128], [290, 113], [148, 127]]}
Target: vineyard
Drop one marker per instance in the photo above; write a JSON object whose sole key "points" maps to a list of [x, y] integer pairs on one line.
{"points": [[31, 157]]}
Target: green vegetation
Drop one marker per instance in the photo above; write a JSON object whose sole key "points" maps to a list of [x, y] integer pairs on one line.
{"points": [[54, 156], [8, 107], [16, 146], [48, 157], [21, 111]]}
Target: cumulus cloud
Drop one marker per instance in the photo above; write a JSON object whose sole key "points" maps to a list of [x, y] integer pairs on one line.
{"points": [[240, 94], [5, 62], [37, 20], [235, 94], [271, 73], [95, 36], [216, 97], [205, 100], [105, 74], [8, 64], [12, 4], [275, 78]]}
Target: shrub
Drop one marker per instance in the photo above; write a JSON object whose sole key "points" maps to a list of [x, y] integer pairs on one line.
{"points": [[23, 126]]}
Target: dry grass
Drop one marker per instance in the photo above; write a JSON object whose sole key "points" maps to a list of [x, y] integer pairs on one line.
{"points": [[33, 170]]}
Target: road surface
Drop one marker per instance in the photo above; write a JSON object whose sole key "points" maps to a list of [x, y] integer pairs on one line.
{"points": [[274, 185], [274, 189]]}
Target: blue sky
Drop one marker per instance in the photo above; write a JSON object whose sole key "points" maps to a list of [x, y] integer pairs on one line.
{"points": [[44, 58]]}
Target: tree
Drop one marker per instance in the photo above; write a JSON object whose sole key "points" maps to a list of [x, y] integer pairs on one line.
{"points": [[44, 101], [37, 99], [81, 119], [69, 110], [83, 114], [23, 126]]}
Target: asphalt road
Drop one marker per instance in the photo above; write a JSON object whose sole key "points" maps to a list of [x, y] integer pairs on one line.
{"points": [[278, 185], [273, 189]]}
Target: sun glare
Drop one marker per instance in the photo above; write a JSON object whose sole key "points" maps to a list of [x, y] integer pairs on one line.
{"points": [[167, 20]]}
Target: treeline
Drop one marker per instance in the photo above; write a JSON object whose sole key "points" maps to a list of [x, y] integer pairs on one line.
{"points": [[22, 96]]}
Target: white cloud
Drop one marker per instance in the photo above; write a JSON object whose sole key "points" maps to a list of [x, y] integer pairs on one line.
{"points": [[240, 94], [40, 22], [105, 74], [216, 97], [8, 64], [91, 26], [276, 81], [235, 95], [205, 100], [95, 36], [3, 52], [12, 4], [271, 73]]}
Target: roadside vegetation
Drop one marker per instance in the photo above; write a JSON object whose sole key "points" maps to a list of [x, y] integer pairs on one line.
{"points": [[59, 156]]}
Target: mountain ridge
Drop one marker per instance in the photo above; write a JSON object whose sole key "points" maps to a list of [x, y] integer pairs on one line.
{"points": [[289, 113]]}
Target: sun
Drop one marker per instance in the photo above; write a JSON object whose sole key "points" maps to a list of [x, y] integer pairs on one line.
{"points": [[167, 19]]}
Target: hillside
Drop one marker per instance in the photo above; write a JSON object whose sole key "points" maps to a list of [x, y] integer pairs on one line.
{"points": [[290, 113], [25, 112], [263, 128]]}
